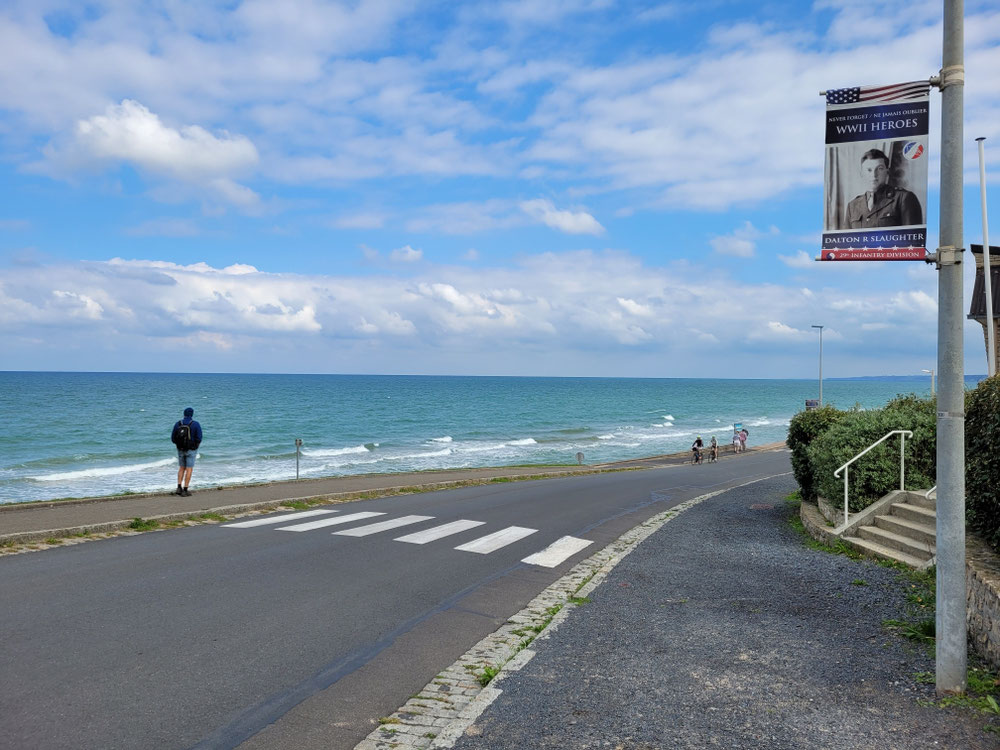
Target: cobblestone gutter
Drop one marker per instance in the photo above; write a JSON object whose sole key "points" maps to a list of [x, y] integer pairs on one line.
{"points": [[440, 713]]}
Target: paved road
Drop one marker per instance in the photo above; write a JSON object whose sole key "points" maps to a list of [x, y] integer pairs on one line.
{"points": [[268, 637]]}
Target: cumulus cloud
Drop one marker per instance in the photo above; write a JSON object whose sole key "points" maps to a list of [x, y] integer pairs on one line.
{"points": [[571, 222], [552, 302], [130, 133]]}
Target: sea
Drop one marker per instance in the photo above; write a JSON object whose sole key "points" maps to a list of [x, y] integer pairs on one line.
{"points": [[76, 434]]}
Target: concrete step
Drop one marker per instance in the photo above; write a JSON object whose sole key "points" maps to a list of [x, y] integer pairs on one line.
{"points": [[875, 549], [919, 532], [914, 513], [921, 500], [904, 544]]}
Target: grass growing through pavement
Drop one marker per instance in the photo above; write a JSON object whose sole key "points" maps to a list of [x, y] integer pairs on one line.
{"points": [[141, 524]]}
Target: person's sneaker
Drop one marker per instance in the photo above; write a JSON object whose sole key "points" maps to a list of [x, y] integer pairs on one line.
{"points": [[178, 491], [184, 493]]}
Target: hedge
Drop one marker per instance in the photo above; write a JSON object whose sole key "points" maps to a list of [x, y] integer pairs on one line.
{"points": [[877, 473], [982, 461], [805, 427]]}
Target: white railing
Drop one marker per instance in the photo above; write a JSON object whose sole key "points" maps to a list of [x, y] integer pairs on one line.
{"points": [[903, 434]]}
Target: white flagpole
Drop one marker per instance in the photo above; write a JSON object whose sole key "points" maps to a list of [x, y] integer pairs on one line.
{"points": [[991, 353]]}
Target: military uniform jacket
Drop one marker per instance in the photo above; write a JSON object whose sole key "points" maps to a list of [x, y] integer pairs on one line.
{"points": [[893, 207]]}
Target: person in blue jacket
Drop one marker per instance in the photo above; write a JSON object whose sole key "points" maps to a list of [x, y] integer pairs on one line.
{"points": [[187, 436]]}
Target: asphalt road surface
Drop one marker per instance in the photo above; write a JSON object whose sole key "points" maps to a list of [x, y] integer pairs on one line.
{"points": [[264, 636]]}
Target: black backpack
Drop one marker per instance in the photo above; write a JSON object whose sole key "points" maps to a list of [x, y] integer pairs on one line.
{"points": [[182, 437]]}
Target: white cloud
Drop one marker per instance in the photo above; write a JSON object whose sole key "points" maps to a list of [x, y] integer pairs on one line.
{"points": [[130, 133], [740, 243], [406, 254], [801, 259], [558, 303], [571, 222]]}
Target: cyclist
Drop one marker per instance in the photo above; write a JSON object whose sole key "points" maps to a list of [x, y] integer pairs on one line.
{"points": [[696, 448], [714, 452]]}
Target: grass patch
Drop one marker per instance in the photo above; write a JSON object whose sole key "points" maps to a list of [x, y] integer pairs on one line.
{"points": [[487, 675], [53, 540], [296, 504], [211, 517], [389, 720], [585, 581], [578, 600], [141, 524], [982, 695], [859, 582]]}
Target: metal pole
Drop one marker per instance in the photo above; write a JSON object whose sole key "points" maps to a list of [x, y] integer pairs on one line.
{"points": [[951, 642], [991, 345], [298, 447], [820, 364]]}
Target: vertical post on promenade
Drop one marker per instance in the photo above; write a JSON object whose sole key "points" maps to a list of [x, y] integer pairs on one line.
{"points": [[991, 346], [298, 447], [951, 645]]}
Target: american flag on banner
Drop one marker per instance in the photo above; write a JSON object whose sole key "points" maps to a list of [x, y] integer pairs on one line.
{"points": [[877, 94]]}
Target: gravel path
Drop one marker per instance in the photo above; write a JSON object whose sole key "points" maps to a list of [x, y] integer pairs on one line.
{"points": [[724, 630]]}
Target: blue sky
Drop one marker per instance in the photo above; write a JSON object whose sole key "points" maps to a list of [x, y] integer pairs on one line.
{"points": [[568, 187]]}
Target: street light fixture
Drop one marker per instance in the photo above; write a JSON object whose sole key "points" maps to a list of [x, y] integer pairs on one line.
{"points": [[820, 364], [932, 381]]}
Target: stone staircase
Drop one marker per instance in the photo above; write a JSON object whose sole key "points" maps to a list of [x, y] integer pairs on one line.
{"points": [[903, 530]]}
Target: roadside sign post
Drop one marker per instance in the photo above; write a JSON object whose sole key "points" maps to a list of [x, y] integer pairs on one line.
{"points": [[951, 641], [298, 447], [883, 127]]}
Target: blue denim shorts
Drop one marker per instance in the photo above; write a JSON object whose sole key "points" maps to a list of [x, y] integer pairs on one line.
{"points": [[186, 458]]}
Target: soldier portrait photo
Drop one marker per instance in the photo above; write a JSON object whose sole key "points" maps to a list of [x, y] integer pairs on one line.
{"points": [[876, 185]]}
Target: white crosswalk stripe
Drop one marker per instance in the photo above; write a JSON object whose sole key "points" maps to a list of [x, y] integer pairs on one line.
{"points": [[310, 525], [277, 519], [492, 542], [557, 552], [439, 532], [375, 528]]}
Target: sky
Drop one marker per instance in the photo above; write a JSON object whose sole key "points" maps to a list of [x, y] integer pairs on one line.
{"points": [[512, 187]]}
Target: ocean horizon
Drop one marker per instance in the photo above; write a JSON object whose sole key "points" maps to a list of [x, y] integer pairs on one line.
{"points": [[82, 434]]}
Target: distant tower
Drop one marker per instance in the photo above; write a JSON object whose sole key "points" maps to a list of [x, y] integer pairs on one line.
{"points": [[977, 310]]}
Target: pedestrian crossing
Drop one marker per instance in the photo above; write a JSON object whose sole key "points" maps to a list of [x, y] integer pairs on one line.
{"points": [[549, 557]]}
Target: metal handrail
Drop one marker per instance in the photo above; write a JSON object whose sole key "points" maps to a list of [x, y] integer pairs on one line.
{"points": [[903, 434]]}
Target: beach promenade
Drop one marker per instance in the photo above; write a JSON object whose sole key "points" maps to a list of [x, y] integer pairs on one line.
{"points": [[34, 522]]}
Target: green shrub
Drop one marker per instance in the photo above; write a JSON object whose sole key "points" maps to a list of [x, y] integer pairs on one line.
{"points": [[805, 427], [920, 416], [876, 473], [982, 460]]}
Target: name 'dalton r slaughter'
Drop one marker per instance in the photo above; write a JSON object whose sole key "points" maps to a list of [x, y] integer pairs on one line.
{"points": [[908, 238]]}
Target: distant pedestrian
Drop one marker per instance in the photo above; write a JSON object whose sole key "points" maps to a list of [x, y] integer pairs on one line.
{"points": [[714, 445], [187, 436], [743, 440]]}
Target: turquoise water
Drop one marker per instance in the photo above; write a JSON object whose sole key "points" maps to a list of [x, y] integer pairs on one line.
{"points": [[85, 434]]}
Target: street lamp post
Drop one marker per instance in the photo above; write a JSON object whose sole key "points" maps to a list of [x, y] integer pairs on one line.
{"points": [[820, 364], [932, 381]]}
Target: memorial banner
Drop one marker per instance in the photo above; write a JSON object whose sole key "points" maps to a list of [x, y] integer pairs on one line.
{"points": [[875, 179]]}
